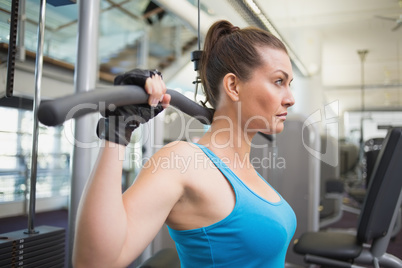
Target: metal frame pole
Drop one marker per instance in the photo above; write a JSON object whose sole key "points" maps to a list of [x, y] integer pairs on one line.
{"points": [[85, 76], [362, 55], [21, 31], [36, 102]]}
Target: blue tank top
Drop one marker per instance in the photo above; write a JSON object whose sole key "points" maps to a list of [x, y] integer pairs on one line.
{"points": [[256, 233]]}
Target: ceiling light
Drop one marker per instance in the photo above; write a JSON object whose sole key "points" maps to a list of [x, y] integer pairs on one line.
{"points": [[253, 6]]}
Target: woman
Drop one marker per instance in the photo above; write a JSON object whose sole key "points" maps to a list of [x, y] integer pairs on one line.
{"points": [[219, 210]]}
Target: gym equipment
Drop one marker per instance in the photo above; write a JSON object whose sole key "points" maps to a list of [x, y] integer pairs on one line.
{"points": [[377, 219], [45, 249], [12, 48], [45, 245], [331, 205], [84, 79], [372, 148], [55, 112], [332, 190]]}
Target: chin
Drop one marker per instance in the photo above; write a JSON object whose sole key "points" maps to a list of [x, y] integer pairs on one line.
{"points": [[278, 128]]}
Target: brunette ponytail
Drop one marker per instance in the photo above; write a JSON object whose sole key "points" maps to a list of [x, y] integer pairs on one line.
{"points": [[229, 49]]}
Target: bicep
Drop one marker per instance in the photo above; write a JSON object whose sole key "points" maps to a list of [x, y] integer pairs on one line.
{"points": [[148, 203]]}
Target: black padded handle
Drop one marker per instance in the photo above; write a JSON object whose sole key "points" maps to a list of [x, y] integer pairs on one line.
{"points": [[55, 112]]}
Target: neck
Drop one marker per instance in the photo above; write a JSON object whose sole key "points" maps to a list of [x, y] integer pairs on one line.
{"points": [[227, 133]]}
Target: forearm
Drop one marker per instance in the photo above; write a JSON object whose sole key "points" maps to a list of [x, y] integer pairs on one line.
{"points": [[102, 226]]}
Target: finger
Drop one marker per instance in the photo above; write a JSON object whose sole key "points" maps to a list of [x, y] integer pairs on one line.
{"points": [[166, 100], [148, 86], [160, 84], [152, 88], [158, 90]]}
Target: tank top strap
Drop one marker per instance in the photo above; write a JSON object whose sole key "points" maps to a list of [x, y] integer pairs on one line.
{"points": [[219, 164]]}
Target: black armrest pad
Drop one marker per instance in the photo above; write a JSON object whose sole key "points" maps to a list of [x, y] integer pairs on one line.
{"points": [[325, 262], [336, 245]]}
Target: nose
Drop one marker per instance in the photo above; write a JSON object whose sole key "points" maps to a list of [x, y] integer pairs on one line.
{"points": [[288, 99]]}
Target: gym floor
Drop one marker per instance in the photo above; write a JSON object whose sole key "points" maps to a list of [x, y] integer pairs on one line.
{"points": [[59, 218]]}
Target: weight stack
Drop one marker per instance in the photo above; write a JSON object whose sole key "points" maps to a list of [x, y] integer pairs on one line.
{"points": [[46, 248]]}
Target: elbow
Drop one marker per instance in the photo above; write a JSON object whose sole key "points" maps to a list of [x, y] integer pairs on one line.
{"points": [[79, 260], [82, 263], [89, 260]]}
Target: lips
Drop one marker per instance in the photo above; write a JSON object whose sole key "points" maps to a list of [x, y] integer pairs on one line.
{"points": [[282, 116]]}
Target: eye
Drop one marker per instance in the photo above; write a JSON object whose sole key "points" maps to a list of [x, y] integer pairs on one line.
{"points": [[279, 81]]}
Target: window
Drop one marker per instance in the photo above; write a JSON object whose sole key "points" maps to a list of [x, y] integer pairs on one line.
{"points": [[53, 171]]}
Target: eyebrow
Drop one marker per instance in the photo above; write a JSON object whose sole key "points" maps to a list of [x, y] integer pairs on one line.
{"points": [[284, 73]]}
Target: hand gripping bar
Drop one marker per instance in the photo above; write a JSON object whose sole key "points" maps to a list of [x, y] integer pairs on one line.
{"points": [[55, 112]]}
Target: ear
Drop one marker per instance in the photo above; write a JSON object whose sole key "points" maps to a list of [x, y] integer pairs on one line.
{"points": [[230, 85]]}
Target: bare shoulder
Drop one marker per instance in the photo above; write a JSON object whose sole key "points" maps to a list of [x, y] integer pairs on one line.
{"points": [[173, 159], [179, 148], [163, 177]]}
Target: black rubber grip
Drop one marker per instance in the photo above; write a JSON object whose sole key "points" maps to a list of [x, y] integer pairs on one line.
{"points": [[55, 112]]}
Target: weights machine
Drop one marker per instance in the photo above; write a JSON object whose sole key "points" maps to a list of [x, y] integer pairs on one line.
{"points": [[43, 246]]}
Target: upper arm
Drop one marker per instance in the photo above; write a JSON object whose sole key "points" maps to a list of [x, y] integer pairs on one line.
{"points": [[148, 202]]}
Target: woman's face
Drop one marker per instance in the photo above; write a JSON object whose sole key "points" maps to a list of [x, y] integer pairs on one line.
{"points": [[266, 96]]}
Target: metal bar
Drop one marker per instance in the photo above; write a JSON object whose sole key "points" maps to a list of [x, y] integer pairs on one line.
{"points": [[21, 31], [143, 50], [55, 112], [85, 74], [198, 29], [35, 132]]}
